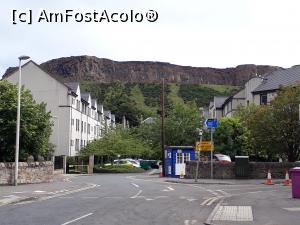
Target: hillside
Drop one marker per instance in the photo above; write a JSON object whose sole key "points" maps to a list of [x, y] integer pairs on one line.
{"points": [[91, 68], [139, 101]]}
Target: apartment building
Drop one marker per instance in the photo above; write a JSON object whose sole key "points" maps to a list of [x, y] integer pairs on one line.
{"points": [[77, 117]]}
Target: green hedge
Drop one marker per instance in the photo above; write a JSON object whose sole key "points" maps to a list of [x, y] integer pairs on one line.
{"points": [[117, 169]]}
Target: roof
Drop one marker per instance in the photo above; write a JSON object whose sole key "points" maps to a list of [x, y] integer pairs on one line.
{"points": [[85, 96], [94, 103], [100, 108], [219, 101], [107, 114], [113, 117], [284, 77], [235, 96], [11, 70], [73, 86]]}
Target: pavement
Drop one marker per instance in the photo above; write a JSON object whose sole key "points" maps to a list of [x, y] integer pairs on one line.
{"points": [[142, 199]]}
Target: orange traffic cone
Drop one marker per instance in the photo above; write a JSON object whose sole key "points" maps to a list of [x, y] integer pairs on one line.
{"points": [[287, 181], [269, 179], [160, 171]]}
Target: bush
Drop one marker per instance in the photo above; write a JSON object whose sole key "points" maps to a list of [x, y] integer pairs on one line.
{"points": [[117, 169]]}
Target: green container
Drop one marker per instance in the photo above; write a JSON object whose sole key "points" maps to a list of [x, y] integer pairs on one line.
{"points": [[148, 164], [242, 169]]}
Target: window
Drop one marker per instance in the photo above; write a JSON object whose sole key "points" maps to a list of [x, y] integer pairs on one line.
{"points": [[248, 103], [81, 126], [179, 158], [78, 105], [89, 111], [263, 99], [95, 130], [186, 157], [77, 144], [84, 127], [81, 143], [72, 122], [88, 128], [77, 125], [73, 101], [72, 142]]}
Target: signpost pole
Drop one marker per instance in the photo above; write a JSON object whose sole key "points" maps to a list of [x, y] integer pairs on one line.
{"points": [[211, 154]]}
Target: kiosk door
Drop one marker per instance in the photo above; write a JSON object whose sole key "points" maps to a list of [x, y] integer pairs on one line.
{"points": [[181, 158]]}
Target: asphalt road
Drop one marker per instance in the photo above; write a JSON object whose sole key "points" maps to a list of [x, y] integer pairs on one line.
{"points": [[141, 200]]}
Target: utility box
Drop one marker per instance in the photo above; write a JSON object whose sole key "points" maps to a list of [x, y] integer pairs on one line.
{"points": [[175, 159], [242, 169], [295, 175]]}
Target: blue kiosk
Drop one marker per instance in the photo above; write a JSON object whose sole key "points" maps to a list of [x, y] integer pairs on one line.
{"points": [[175, 158]]}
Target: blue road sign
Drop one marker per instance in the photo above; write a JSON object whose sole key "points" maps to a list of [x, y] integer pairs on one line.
{"points": [[211, 123]]}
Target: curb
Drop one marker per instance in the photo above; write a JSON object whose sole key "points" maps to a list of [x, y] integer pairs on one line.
{"points": [[188, 182]]}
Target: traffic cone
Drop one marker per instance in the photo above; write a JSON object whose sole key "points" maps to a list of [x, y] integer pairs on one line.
{"points": [[269, 179], [287, 181], [160, 171]]}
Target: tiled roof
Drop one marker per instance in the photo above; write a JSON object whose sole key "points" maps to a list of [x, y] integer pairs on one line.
{"points": [[85, 96], [73, 86], [219, 100], [277, 78]]}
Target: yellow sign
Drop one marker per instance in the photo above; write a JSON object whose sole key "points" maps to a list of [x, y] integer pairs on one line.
{"points": [[205, 146]]}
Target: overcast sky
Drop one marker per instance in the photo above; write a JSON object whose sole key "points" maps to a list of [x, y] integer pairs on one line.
{"points": [[215, 33]]}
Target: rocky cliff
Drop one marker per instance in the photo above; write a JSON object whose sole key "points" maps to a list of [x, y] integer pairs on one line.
{"points": [[80, 68]]}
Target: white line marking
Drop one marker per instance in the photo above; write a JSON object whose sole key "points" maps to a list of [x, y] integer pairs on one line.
{"points": [[186, 222], [39, 191], [223, 192], [89, 197], [79, 218], [19, 192], [212, 214], [9, 196], [170, 188], [293, 209], [135, 185], [137, 194], [212, 201], [206, 201]]}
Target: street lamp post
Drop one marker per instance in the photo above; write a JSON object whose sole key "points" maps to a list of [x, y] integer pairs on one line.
{"points": [[23, 57], [199, 152]]}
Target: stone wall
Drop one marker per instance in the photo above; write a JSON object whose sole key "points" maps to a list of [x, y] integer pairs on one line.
{"points": [[35, 172], [257, 170]]}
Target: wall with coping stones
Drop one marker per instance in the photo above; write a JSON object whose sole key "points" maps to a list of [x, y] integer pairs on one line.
{"points": [[29, 173], [258, 170]]}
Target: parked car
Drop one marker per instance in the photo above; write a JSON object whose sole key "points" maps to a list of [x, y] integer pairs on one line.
{"points": [[130, 162], [222, 158]]}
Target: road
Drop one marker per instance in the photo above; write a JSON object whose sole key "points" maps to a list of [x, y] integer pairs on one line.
{"points": [[141, 200]]}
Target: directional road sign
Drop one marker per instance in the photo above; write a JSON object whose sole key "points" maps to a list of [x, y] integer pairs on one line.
{"points": [[211, 123]]}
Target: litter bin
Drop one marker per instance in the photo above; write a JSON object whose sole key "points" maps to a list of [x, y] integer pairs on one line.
{"points": [[242, 167], [295, 175]]}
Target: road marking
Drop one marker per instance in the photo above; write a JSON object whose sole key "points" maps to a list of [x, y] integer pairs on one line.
{"points": [[38, 191], [207, 200], [212, 214], [187, 222], [212, 201], [89, 197], [170, 188], [223, 192], [234, 213], [19, 192], [135, 185], [137, 194], [9, 196], [295, 209], [79, 218], [191, 199], [57, 195]]}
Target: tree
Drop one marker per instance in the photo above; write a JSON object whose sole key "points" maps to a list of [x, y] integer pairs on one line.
{"points": [[35, 128], [180, 127], [230, 138], [118, 142], [274, 129]]}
